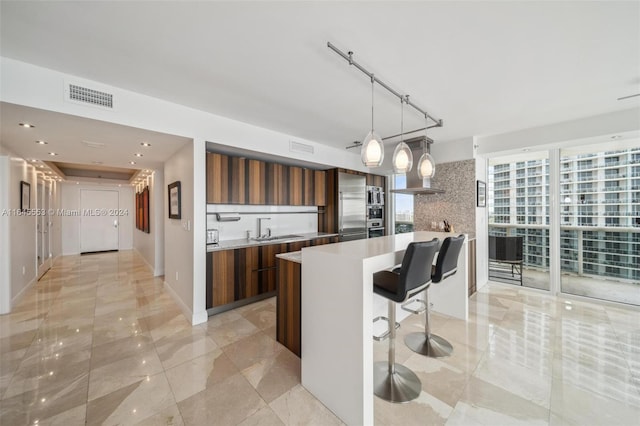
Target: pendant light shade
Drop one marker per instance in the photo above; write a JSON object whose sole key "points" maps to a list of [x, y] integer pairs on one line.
{"points": [[426, 166], [372, 151], [402, 159], [402, 156]]}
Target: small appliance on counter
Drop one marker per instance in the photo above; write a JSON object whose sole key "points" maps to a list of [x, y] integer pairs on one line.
{"points": [[212, 236]]}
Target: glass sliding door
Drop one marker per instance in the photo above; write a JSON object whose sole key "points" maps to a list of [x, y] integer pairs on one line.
{"points": [[518, 202], [600, 222]]}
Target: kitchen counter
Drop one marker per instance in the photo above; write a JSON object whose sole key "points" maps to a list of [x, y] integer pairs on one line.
{"points": [[337, 309], [294, 256], [242, 243]]}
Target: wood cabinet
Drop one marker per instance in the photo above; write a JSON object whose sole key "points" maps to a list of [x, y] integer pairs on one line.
{"points": [[376, 180], [238, 274], [225, 179], [288, 305], [235, 180]]}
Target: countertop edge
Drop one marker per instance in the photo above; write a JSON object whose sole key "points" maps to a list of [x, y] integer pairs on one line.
{"points": [[238, 244]]}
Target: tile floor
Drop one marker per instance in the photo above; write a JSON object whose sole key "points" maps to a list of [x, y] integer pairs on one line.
{"points": [[98, 341]]}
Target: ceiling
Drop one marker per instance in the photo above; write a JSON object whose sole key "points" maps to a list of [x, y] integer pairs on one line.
{"points": [[82, 143], [482, 67]]}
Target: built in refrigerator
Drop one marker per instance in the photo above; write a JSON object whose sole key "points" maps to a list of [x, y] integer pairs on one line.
{"points": [[352, 207]]}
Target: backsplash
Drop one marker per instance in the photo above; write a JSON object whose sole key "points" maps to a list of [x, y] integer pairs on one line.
{"points": [[283, 220], [457, 205]]}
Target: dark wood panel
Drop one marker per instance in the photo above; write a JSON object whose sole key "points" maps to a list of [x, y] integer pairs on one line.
{"points": [[223, 277], [256, 182], [376, 180], [320, 189], [225, 179], [288, 305], [328, 217], [296, 177]]}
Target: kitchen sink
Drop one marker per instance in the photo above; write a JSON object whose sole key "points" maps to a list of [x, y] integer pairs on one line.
{"points": [[277, 237]]}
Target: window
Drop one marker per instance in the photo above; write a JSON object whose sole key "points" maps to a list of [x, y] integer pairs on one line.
{"points": [[403, 207]]}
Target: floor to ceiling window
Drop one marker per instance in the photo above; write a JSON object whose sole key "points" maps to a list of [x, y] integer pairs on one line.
{"points": [[518, 202], [403, 211], [600, 223]]}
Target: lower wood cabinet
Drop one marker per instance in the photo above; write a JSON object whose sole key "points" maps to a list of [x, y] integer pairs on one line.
{"points": [[234, 275], [288, 306]]}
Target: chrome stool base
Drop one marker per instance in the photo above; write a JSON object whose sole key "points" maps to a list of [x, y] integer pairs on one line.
{"points": [[433, 347], [401, 386]]}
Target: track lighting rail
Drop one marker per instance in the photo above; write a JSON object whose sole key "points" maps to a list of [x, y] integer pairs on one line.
{"points": [[404, 98]]}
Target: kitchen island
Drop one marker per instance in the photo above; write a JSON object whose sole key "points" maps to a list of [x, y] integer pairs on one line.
{"points": [[337, 309]]}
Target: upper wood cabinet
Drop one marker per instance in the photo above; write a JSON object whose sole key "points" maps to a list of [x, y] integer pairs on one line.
{"points": [[376, 180], [234, 180]]}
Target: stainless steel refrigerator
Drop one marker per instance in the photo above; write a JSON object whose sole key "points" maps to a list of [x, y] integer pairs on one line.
{"points": [[352, 207]]}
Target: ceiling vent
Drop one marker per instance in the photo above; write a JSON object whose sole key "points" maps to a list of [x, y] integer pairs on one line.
{"points": [[90, 144], [89, 96], [300, 147]]}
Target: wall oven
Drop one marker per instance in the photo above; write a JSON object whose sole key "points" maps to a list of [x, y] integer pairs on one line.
{"points": [[375, 232], [375, 196], [375, 212]]}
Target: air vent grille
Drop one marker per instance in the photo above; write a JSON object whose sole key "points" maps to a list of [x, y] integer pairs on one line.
{"points": [[300, 147], [90, 96]]}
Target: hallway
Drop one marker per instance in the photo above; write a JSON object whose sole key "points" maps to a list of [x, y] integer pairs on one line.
{"points": [[98, 341]]}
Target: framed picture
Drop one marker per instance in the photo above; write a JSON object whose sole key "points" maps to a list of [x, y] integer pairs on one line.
{"points": [[25, 195], [481, 191], [145, 211], [174, 200]]}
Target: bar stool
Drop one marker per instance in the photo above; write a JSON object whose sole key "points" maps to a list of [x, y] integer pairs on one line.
{"points": [[426, 343], [395, 382]]}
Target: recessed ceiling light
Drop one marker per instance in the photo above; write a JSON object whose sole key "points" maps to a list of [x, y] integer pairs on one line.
{"points": [[27, 125], [147, 171], [615, 137], [77, 183], [42, 142], [145, 144], [97, 162], [53, 153], [132, 162], [526, 149], [40, 166], [137, 154]]}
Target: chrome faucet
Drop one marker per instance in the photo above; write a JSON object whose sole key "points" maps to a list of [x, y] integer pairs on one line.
{"points": [[260, 234]]}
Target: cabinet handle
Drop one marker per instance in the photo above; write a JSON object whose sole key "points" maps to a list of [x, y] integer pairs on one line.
{"points": [[265, 269]]}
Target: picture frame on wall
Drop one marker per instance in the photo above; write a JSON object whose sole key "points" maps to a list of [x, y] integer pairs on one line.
{"points": [[481, 191], [174, 200], [25, 195], [146, 227]]}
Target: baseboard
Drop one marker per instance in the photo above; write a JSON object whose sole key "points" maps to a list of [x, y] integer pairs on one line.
{"points": [[151, 268], [20, 295], [199, 318], [186, 311]]}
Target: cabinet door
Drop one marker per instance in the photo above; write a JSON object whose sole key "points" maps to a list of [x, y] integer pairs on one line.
{"points": [[225, 179], [376, 180], [320, 187], [256, 184], [295, 186], [223, 267], [276, 182]]}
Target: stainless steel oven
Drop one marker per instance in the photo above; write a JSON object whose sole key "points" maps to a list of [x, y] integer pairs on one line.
{"points": [[375, 212], [375, 232], [375, 228]]}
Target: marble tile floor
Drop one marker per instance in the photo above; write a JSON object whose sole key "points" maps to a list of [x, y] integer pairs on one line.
{"points": [[98, 341]]}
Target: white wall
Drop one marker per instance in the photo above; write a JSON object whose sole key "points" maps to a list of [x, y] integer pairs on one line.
{"points": [[151, 245], [70, 200], [5, 276], [22, 229], [179, 241], [482, 236]]}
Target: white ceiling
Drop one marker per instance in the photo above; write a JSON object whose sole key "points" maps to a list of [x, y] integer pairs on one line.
{"points": [[111, 144], [483, 67]]}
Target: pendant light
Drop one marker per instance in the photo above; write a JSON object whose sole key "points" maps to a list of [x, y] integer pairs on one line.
{"points": [[402, 156], [372, 151], [426, 164]]}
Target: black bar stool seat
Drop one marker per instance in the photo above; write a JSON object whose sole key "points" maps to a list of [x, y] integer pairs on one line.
{"points": [[427, 343], [395, 382]]}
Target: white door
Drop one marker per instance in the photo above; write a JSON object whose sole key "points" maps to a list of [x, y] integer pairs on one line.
{"points": [[98, 223]]}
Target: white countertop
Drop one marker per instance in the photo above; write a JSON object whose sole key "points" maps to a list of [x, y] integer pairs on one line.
{"points": [[372, 247], [242, 243], [294, 256]]}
